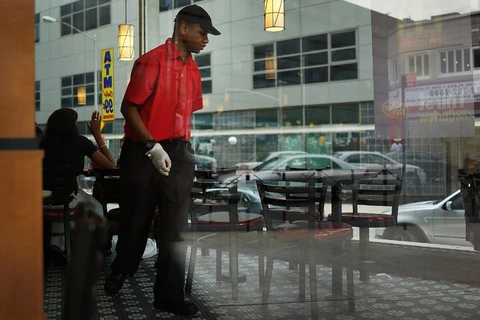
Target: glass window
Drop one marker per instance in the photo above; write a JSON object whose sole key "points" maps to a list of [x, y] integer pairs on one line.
{"points": [[317, 115], [203, 63], [84, 15], [70, 85], [314, 75], [203, 121], [37, 95], [266, 118], [91, 19], [203, 60], [105, 18], [207, 86], [344, 54], [345, 114], [260, 52], [315, 43], [315, 59], [37, 27], [288, 78], [292, 117], [181, 3], [344, 39], [288, 62], [288, 47], [261, 81], [343, 72], [476, 58]]}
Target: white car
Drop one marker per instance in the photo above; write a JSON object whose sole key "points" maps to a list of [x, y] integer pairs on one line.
{"points": [[436, 221], [415, 176]]}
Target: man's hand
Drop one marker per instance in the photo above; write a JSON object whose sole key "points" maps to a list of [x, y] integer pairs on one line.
{"points": [[160, 159]]}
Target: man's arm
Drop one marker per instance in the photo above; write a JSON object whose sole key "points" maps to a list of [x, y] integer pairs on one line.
{"points": [[132, 117]]}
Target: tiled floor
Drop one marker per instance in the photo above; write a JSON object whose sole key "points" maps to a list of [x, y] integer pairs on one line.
{"points": [[406, 283]]}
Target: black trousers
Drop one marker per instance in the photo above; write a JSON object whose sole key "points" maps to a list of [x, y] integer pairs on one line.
{"points": [[144, 188]]}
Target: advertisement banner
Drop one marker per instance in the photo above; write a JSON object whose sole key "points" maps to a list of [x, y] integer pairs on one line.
{"points": [[108, 98]]}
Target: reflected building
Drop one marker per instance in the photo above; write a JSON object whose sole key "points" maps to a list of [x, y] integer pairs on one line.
{"points": [[336, 79]]}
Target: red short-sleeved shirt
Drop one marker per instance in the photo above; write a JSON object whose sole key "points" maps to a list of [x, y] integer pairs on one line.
{"points": [[167, 90]]}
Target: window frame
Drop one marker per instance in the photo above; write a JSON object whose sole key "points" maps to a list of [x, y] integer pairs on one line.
{"points": [[471, 51], [37, 92], [423, 54], [74, 87], [72, 13], [302, 69], [206, 67]]}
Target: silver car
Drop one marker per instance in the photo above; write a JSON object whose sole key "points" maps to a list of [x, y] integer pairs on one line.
{"points": [[415, 176], [439, 221]]}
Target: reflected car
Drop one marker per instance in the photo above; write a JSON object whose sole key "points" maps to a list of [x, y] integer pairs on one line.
{"points": [[415, 176], [249, 200], [436, 221], [267, 157], [205, 162], [268, 170], [433, 167]]}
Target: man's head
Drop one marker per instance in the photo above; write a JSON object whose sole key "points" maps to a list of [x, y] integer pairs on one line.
{"points": [[192, 26]]}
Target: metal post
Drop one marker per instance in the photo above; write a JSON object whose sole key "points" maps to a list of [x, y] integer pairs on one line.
{"points": [[95, 74]]}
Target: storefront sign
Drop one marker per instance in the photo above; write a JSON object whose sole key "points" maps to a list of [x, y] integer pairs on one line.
{"points": [[108, 99], [417, 43]]}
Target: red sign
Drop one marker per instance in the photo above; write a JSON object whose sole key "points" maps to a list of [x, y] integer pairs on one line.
{"points": [[394, 109], [410, 80], [428, 41]]}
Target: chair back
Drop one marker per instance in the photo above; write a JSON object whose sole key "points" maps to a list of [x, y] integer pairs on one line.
{"points": [[382, 188], [291, 198], [107, 188], [208, 197], [58, 180]]}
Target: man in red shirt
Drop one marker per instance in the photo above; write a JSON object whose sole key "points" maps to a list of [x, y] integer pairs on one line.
{"points": [[157, 159]]}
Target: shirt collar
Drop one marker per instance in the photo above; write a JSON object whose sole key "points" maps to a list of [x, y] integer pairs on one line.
{"points": [[173, 52]]}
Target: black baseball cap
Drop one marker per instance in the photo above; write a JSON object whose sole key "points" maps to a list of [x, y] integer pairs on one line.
{"points": [[196, 14]]}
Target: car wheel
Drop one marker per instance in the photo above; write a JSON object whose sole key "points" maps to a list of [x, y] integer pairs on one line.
{"points": [[408, 233]]}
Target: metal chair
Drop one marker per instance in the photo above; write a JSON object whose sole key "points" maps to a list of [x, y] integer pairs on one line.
{"points": [[304, 237], [382, 188], [59, 181], [215, 210]]}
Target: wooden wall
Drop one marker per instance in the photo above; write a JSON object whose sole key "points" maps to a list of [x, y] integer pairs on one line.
{"points": [[21, 256]]}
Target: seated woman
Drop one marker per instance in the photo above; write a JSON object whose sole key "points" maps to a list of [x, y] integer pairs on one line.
{"points": [[63, 145]]}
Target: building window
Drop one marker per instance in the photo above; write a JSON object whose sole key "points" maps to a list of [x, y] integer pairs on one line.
{"points": [[393, 71], [203, 121], [71, 85], [85, 15], [458, 61], [419, 64], [172, 4], [37, 27], [204, 65], [266, 118], [345, 114], [37, 95], [312, 59]]}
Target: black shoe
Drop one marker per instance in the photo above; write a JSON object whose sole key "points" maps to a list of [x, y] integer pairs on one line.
{"points": [[114, 283], [184, 308]]}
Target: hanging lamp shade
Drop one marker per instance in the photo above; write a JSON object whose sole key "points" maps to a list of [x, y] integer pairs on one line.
{"points": [[126, 40], [81, 96], [274, 15]]}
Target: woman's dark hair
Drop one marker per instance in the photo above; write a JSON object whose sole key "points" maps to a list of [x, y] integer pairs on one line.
{"points": [[62, 125]]}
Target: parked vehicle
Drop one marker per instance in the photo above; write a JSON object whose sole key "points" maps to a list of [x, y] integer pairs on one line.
{"points": [[415, 176], [249, 200], [267, 157], [433, 167], [268, 169], [436, 221]]}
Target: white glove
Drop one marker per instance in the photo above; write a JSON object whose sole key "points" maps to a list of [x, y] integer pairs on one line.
{"points": [[160, 159]]}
